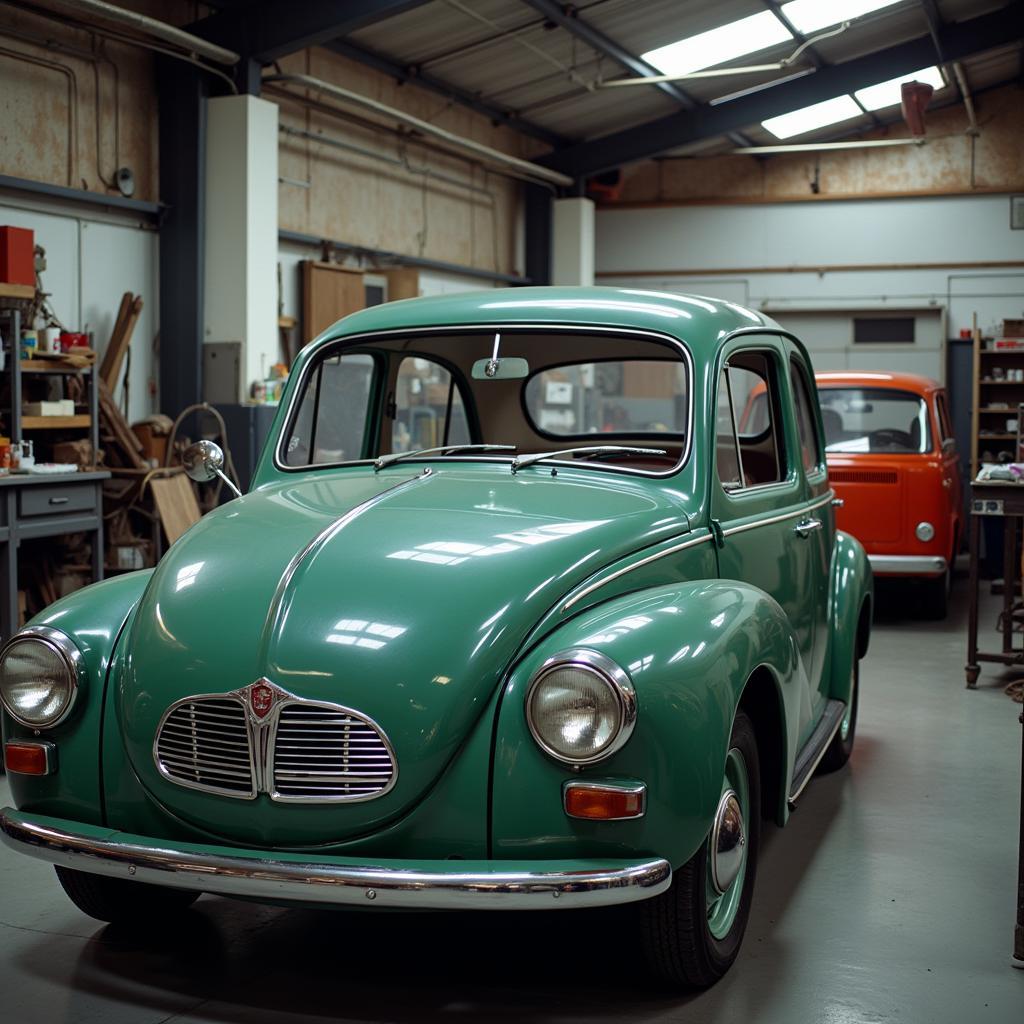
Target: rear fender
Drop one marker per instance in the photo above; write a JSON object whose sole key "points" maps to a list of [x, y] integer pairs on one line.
{"points": [[851, 595], [690, 649]]}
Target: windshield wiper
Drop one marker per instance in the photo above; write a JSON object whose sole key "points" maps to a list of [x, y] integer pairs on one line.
{"points": [[388, 460], [601, 449]]}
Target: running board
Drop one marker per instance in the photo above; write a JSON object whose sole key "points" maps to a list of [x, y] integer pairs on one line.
{"points": [[814, 749]]}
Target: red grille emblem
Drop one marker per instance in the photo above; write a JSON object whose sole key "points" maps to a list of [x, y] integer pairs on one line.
{"points": [[261, 699]]}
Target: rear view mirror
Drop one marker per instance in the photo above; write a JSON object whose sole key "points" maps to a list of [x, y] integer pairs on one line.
{"points": [[501, 369]]}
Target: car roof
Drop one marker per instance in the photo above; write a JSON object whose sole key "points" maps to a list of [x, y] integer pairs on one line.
{"points": [[898, 381], [700, 321]]}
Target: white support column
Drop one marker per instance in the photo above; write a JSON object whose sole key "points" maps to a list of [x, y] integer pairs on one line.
{"points": [[572, 257], [240, 301]]}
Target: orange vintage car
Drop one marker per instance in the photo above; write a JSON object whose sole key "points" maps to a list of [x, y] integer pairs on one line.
{"points": [[893, 462]]}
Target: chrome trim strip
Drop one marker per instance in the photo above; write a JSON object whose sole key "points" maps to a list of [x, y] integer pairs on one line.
{"points": [[689, 543], [674, 549], [503, 886], [540, 326], [614, 675], [67, 650], [908, 565], [637, 789], [781, 518]]}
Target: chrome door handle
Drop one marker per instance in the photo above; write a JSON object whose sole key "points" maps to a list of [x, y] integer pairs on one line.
{"points": [[838, 502], [806, 527]]}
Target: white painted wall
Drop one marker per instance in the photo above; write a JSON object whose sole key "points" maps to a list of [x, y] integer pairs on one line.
{"points": [[572, 241], [942, 231], [91, 261], [240, 294]]}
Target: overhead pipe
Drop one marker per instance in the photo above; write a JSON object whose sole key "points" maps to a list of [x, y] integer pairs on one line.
{"points": [[961, 80], [159, 29], [523, 169], [813, 147]]}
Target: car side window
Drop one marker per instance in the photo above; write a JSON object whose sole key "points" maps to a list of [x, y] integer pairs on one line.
{"points": [[428, 408], [810, 445], [331, 422], [945, 428], [748, 453]]}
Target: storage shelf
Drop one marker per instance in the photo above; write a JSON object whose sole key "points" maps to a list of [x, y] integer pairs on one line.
{"points": [[54, 422], [1002, 351], [50, 366], [988, 382], [997, 437], [1006, 410]]}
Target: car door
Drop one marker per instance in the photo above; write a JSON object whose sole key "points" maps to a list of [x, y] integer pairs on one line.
{"points": [[950, 469], [819, 529], [759, 494]]}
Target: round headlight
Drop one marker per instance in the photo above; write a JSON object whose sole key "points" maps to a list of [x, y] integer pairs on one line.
{"points": [[39, 671], [925, 531], [581, 707]]}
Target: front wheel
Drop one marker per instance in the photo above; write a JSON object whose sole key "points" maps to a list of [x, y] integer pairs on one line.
{"points": [[119, 900], [692, 933]]}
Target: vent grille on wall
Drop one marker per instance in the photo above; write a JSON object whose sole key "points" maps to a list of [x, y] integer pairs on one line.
{"points": [[884, 330]]}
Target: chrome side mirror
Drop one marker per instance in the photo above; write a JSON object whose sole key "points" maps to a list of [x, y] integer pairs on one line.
{"points": [[203, 461]]}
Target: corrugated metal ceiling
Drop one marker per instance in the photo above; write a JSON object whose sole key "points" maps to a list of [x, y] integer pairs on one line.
{"points": [[504, 52]]}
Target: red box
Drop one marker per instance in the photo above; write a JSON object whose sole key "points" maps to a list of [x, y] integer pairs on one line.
{"points": [[17, 256]]}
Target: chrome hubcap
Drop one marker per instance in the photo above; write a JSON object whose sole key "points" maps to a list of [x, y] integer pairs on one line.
{"points": [[728, 840]]}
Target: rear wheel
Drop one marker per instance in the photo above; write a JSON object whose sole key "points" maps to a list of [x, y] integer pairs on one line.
{"points": [[692, 933], [119, 900], [841, 747]]}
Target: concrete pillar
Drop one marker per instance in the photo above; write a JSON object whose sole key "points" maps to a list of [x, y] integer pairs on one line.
{"points": [[240, 295], [573, 242]]}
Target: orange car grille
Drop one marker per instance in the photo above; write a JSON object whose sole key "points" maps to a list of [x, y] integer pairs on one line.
{"points": [[862, 476]]}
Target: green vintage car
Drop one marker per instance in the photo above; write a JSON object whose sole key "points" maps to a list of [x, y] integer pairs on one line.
{"points": [[514, 615]]}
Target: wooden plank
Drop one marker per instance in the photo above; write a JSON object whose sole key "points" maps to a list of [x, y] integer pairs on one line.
{"points": [[17, 291], [175, 504], [120, 339], [329, 292], [54, 422]]}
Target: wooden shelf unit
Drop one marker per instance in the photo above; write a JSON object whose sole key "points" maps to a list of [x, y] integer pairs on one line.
{"points": [[985, 433], [56, 422]]}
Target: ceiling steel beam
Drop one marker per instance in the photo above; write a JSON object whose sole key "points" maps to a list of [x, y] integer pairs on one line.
{"points": [[412, 74], [566, 17], [270, 29], [996, 28]]}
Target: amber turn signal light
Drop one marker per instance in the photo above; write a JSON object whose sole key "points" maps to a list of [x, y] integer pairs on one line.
{"points": [[30, 758], [598, 802]]}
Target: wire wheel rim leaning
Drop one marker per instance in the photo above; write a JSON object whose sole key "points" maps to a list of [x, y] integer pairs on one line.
{"points": [[723, 907]]}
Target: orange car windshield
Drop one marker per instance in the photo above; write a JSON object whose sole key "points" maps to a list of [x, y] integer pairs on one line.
{"points": [[874, 420]]}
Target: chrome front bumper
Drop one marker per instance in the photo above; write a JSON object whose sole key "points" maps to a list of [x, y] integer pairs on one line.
{"points": [[337, 881], [907, 565]]}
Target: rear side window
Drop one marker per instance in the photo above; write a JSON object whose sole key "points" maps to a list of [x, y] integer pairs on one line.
{"points": [[429, 411], [331, 424], [627, 397], [748, 451], [810, 446]]}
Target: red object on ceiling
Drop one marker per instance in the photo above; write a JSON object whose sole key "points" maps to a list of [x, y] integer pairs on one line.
{"points": [[916, 96]]}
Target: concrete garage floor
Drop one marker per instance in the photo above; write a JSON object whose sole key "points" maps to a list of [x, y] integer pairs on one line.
{"points": [[888, 897]]}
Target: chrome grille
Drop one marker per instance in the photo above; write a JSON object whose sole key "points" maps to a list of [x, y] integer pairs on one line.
{"points": [[203, 743], [323, 753]]}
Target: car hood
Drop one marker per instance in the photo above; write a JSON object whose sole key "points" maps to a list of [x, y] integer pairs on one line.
{"points": [[402, 595]]}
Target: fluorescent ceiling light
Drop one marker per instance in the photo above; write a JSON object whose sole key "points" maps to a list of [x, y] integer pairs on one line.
{"points": [[888, 94], [810, 15], [725, 43], [797, 122]]}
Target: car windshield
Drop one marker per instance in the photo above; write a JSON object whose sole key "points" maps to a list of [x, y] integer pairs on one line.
{"points": [[874, 420], [432, 395]]}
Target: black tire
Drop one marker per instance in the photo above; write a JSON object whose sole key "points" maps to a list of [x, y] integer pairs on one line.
{"points": [[676, 939], [936, 596], [841, 747], [119, 900]]}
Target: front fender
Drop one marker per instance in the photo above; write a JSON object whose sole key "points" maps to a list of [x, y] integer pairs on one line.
{"points": [[93, 618], [690, 649], [851, 588]]}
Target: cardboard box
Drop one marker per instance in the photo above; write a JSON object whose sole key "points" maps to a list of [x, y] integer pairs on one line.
{"points": [[79, 452], [1013, 329], [60, 407], [17, 256]]}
